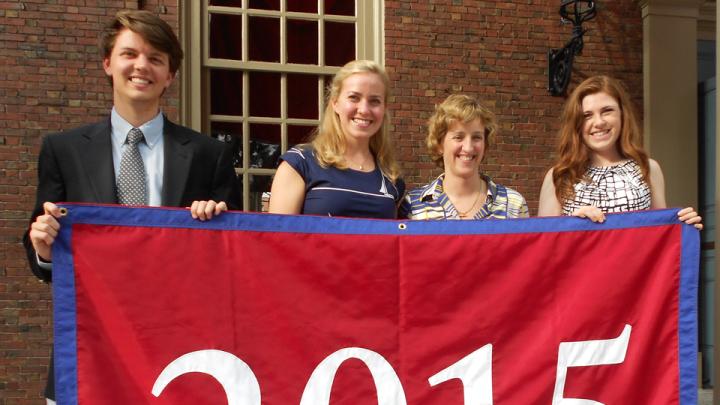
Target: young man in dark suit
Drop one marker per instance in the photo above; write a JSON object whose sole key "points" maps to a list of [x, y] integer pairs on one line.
{"points": [[136, 156]]}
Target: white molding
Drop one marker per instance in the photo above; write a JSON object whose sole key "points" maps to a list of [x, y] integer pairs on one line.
{"points": [[671, 8]]}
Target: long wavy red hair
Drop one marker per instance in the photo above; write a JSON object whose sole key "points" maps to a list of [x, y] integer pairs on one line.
{"points": [[573, 155]]}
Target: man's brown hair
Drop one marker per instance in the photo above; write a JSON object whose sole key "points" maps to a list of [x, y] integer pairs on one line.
{"points": [[150, 27]]}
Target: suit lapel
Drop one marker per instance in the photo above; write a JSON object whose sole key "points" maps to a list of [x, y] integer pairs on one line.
{"points": [[178, 157], [98, 162]]}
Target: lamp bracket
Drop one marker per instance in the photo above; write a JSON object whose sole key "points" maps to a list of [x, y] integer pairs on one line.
{"points": [[560, 61]]}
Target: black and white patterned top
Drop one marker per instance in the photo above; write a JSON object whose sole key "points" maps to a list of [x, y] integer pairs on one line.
{"points": [[617, 188]]}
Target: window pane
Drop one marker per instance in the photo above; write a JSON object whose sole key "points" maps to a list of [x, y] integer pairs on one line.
{"points": [[264, 39], [230, 133], [302, 41], [226, 3], [339, 43], [265, 94], [264, 145], [304, 6], [340, 7], [271, 94], [259, 192], [298, 134], [302, 96], [265, 4], [226, 92], [225, 36]]}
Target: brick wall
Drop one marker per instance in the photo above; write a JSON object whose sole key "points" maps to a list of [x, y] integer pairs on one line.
{"points": [[497, 50], [51, 79]]}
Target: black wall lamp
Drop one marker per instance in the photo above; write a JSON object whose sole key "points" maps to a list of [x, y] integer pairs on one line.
{"points": [[560, 61]]}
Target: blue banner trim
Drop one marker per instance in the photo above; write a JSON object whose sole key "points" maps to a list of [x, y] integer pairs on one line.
{"points": [[64, 311], [688, 315], [260, 222]]}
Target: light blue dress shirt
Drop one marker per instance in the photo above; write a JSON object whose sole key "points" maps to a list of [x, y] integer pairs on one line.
{"points": [[151, 151]]}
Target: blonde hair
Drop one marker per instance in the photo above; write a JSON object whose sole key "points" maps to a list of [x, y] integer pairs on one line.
{"points": [[457, 108], [329, 140], [574, 155]]}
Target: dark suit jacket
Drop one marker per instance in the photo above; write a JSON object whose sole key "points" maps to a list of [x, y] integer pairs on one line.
{"points": [[77, 166]]}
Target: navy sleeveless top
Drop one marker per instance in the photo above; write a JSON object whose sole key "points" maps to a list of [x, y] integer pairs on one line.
{"points": [[344, 192]]}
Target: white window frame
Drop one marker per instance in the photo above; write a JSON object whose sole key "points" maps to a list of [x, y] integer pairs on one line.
{"points": [[194, 77]]}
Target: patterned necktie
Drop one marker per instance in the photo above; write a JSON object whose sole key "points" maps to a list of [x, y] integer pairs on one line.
{"points": [[131, 181]]}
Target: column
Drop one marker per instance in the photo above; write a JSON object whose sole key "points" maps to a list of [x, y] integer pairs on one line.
{"points": [[670, 94]]}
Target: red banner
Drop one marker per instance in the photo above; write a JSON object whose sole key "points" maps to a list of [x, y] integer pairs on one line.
{"points": [[153, 307]]}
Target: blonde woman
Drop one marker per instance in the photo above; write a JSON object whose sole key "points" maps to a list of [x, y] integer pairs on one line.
{"points": [[348, 169], [460, 133]]}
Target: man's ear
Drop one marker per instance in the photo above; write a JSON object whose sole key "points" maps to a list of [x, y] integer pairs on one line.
{"points": [[171, 78], [106, 66]]}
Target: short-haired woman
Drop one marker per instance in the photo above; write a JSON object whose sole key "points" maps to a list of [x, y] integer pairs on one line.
{"points": [[460, 132]]}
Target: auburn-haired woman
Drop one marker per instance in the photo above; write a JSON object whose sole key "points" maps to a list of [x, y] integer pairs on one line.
{"points": [[348, 169], [601, 165], [459, 135]]}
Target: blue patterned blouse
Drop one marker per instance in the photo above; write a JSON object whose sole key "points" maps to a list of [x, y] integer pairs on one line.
{"points": [[431, 202]]}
